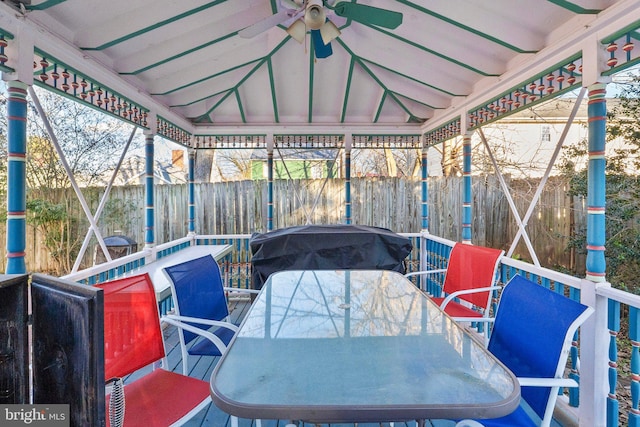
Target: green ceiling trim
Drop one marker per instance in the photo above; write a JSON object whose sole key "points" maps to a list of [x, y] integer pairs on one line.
{"points": [[66, 81], [347, 91], [380, 105], [466, 28], [410, 78], [208, 77], [249, 74], [629, 29], [155, 26], [372, 75], [449, 130], [180, 55], [244, 79], [418, 101], [239, 101], [45, 5], [432, 52], [204, 98], [574, 7], [272, 85]]}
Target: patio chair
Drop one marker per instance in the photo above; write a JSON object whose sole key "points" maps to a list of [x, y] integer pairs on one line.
{"points": [[532, 336], [132, 341], [470, 279], [201, 308]]}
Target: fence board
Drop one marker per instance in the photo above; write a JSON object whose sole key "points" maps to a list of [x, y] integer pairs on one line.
{"points": [[394, 203]]}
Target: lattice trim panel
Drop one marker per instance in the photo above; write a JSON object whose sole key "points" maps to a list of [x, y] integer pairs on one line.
{"points": [[546, 85], [230, 141], [447, 131], [387, 141], [308, 141], [49, 72], [5, 38], [170, 131], [621, 49]]}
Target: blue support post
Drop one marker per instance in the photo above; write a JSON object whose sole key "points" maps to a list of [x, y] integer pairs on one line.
{"points": [[466, 197], [192, 197], [347, 185], [596, 195], [425, 191], [149, 207], [269, 190], [16, 177]]}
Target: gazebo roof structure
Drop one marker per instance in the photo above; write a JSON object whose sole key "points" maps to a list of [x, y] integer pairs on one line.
{"points": [[184, 70]]}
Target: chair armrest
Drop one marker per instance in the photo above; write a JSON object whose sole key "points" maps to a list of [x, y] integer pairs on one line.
{"points": [[466, 292], [241, 290], [205, 334], [208, 322], [547, 382], [425, 272]]}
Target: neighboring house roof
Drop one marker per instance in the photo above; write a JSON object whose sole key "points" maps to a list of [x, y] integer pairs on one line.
{"points": [[295, 154]]}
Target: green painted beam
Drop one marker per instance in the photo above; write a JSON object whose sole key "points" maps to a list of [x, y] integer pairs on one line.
{"points": [[181, 54], [228, 70], [45, 5], [433, 52], [347, 90], [410, 78], [155, 26], [239, 101], [373, 76], [465, 27], [272, 85], [565, 4], [379, 109], [249, 74]]}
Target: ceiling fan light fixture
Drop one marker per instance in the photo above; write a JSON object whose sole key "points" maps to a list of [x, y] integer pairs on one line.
{"points": [[297, 30], [314, 15]]}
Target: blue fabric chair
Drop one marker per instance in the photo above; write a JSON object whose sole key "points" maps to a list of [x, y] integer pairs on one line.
{"points": [[532, 336], [201, 310]]}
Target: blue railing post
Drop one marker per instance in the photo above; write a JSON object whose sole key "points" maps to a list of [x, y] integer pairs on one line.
{"points": [[347, 179], [16, 177], [148, 187], [192, 197], [466, 198], [425, 187]]}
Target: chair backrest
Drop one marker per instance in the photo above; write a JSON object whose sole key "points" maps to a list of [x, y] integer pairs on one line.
{"points": [[472, 267], [197, 289], [532, 334], [132, 333]]}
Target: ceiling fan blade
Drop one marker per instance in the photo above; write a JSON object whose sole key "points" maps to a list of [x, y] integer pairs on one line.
{"points": [[266, 24], [368, 14], [329, 31], [320, 48]]}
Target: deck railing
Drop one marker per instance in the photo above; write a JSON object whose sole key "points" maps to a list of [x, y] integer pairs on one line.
{"points": [[594, 359]]}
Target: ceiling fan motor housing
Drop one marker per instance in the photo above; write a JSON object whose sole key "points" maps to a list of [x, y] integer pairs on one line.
{"points": [[314, 15]]}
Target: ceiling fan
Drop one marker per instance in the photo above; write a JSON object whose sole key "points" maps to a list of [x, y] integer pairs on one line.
{"points": [[311, 15]]}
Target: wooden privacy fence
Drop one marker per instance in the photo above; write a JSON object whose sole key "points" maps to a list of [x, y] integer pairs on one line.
{"points": [[394, 203]]}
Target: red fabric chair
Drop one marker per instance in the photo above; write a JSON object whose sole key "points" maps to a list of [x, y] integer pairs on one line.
{"points": [[133, 340], [470, 277]]}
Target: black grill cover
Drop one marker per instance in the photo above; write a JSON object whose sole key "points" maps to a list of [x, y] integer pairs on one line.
{"points": [[326, 247]]}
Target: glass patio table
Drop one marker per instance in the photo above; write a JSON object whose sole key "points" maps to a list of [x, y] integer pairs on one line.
{"points": [[356, 346]]}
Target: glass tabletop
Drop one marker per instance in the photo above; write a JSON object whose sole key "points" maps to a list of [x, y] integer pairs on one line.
{"points": [[356, 346]]}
